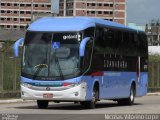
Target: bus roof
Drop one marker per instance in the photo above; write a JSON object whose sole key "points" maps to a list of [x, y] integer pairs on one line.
{"points": [[60, 24]]}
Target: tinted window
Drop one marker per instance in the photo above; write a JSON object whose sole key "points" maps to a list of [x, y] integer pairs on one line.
{"points": [[87, 56], [89, 32], [38, 38]]}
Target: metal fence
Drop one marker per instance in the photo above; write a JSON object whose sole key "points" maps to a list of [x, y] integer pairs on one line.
{"points": [[154, 77], [10, 71]]}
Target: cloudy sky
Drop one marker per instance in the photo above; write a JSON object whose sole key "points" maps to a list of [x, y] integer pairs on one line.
{"points": [[142, 11]]}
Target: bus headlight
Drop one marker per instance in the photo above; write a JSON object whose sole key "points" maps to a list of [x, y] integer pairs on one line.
{"points": [[26, 85]]}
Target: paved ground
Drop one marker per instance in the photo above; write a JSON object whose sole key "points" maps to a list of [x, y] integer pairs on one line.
{"points": [[144, 105]]}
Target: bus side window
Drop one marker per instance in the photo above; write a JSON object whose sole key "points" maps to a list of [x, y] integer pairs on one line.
{"points": [[99, 42], [118, 38], [133, 49], [145, 44], [89, 32], [136, 42], [109, 38], [142, 44], [87, 55], [126, 41], [98, 52]]}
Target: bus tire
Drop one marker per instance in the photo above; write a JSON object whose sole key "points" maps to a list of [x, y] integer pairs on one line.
{"points": [[42, 104], [91, 104], [130, 100]]}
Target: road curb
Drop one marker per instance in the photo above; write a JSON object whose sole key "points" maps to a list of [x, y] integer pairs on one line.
{"points": [[15, 101], [153, 94]]}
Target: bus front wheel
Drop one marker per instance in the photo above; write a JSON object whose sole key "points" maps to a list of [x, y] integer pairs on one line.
{"points": [[91, 104], [42, 104]]}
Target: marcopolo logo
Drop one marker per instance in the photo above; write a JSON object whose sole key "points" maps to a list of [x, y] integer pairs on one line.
{"points": [[68, 37]]}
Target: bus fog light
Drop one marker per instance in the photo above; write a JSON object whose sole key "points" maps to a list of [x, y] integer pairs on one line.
{"points": [[76, 93], [83, 85], [26, 85]]}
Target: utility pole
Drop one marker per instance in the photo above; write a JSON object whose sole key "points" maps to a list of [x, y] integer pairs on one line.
{"points": [[0, 10], [114, 6], [74, 8], [32, 10], [65, 8], [95, 14], [19, 20], [55, 7], [125, 12]]}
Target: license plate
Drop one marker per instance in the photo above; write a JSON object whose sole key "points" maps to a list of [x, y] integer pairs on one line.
{"points": [[47, 95]]}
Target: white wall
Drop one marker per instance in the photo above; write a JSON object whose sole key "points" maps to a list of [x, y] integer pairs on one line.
{"points": [[153, 50]]}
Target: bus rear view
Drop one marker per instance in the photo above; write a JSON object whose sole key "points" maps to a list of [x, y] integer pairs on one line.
{"points": [[58, 55]]}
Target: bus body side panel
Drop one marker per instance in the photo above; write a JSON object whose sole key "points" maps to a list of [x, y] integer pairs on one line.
{"points": [[141, 89], [112, 85], [117, 84]]}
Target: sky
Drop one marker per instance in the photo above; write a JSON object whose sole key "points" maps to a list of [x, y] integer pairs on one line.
{"points": [[142, 12]]}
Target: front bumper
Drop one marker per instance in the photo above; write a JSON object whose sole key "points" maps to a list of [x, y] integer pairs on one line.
{"points": [[76, 93]]}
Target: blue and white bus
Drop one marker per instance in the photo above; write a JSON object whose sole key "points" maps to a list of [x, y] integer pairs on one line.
{"points": [[82, 59]]}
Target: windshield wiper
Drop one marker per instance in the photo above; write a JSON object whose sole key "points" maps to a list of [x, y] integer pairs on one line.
{"points": [[40, 66], [59, 68], [37, 72]]}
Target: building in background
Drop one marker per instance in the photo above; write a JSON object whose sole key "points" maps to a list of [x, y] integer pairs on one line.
{"points": [[113, 10], [153, 33], [15, 14]]}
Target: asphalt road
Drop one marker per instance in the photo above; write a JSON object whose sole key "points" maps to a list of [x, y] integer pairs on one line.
{"points": [[69, 111]]}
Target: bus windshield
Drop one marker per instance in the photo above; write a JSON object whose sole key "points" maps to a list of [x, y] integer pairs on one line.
{"points": [[51, 56]]}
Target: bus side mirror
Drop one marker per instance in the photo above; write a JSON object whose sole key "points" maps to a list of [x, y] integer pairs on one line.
{"points": [[16, 46], [83, 46]]}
